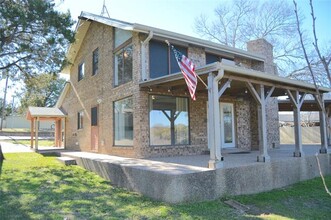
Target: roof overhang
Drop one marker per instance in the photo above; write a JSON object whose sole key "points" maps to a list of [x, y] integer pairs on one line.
{"points": [[63, 94], [307, 105], [44, 113], [240, 76]]}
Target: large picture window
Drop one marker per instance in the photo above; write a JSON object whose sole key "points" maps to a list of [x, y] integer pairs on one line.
{"points": [[168, 120], [123, 65], [162, 60], [123, 122]]}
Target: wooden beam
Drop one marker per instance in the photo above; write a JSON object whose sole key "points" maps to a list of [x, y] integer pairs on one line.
{"points": [[253, 91], [224, 87]]}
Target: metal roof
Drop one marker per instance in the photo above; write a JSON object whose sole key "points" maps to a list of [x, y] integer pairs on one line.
{"points": [[85, 19]]}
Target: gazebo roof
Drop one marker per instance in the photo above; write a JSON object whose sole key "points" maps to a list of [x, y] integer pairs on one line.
{"points": [[44, 112]]}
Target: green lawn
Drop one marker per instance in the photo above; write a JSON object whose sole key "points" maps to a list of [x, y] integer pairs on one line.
{"points": [[44, 143], [37, 187]]}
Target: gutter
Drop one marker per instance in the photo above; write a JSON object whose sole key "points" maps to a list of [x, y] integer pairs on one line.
{"points": [[144, 43]]}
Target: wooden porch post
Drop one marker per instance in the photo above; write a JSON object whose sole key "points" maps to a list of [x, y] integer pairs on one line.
{"points": [[31, 132], [259, 96], [60, 132], [57, 134], [297, 101], [214, 136], [36, 134]]}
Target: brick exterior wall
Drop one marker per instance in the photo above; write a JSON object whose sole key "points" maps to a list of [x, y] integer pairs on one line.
{"points": [[99, 90]]}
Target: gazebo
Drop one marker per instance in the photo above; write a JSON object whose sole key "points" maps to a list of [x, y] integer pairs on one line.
{"points": [[37, 114]]}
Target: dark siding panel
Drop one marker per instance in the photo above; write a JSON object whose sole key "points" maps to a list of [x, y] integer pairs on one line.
{"points": [[158, 59], [211, 58]]}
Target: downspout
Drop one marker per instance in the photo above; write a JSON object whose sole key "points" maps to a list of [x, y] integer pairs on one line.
{"points": [[144, 43]]}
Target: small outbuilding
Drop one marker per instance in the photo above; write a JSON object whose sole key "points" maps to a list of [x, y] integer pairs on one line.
{"points": [[37, 114]]}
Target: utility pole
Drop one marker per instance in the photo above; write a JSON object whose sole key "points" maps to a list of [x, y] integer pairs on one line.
{"points": [[4, 102]]}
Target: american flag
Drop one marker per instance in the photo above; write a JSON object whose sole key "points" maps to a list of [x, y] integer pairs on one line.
{"points": [[187, 68]]}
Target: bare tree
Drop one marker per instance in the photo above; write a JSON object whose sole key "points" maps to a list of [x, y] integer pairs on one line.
{"points": [[322, 60], [239, 21]]}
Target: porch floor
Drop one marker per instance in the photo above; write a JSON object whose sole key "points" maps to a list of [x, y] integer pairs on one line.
{"points": [[236, 158]]}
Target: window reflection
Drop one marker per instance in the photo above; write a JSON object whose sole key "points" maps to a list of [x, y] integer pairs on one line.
{"points": [[168, 120]]}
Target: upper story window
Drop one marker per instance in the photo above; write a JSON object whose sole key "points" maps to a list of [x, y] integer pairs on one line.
{"points": [[81, 71], [123, 65], [95, 62], [162, 60], [123, 56], [121, 36]]}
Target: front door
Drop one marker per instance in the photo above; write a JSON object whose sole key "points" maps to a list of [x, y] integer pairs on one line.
{"points": [[94, 129], [227, 124]]}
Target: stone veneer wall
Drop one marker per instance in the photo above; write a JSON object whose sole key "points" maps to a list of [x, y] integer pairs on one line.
{"points": [[83, 95]]}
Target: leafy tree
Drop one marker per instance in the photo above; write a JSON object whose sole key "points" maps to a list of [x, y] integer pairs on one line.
{"points": [[41, 91], [8, 108], [239, 21], [33, 37]]}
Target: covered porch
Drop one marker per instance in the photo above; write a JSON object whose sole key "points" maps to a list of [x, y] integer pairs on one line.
{"points": [[230, 80], [37, 114]]}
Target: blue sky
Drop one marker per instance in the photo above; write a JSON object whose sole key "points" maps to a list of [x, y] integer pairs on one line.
{"points": [[179, 15]]}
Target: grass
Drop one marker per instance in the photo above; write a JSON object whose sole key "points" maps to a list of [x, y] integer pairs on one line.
{"points": [[16, 129], [38, 187], [44, 143]]}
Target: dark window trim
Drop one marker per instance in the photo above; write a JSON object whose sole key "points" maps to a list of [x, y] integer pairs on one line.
{"points": [[189, 122], [116, 145]]}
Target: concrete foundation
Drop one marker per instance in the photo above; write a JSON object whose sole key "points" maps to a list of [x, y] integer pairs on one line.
{"points": [[177, 183]]}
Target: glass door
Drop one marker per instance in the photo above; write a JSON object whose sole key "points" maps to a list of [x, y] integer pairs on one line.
{"points": [[227, 124]]}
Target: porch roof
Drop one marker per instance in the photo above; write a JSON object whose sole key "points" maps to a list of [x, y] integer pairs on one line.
{"points": [[307, 105], [44, 112], [240, 76]]}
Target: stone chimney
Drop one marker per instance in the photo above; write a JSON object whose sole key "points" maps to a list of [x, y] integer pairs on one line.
{"points": [[264, 48]]}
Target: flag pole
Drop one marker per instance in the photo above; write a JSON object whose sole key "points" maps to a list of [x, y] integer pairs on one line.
{"points": [[167, 42]]}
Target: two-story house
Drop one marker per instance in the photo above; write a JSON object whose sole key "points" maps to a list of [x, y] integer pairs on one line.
{"points": [[127, 96]]}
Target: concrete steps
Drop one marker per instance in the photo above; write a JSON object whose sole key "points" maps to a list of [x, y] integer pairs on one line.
{"points": [[67, 160]]}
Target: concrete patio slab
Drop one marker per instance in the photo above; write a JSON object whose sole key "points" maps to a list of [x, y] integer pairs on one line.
{"points": [[172, 182]]}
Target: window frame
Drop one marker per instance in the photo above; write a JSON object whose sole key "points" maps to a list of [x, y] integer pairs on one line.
{"points": [[80, 120], [81, 71], [171, 138], [120, 49], [114, 123], [95, 65]]}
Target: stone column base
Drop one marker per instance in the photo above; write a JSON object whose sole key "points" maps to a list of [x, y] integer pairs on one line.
{"points": [[263, 158]]}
